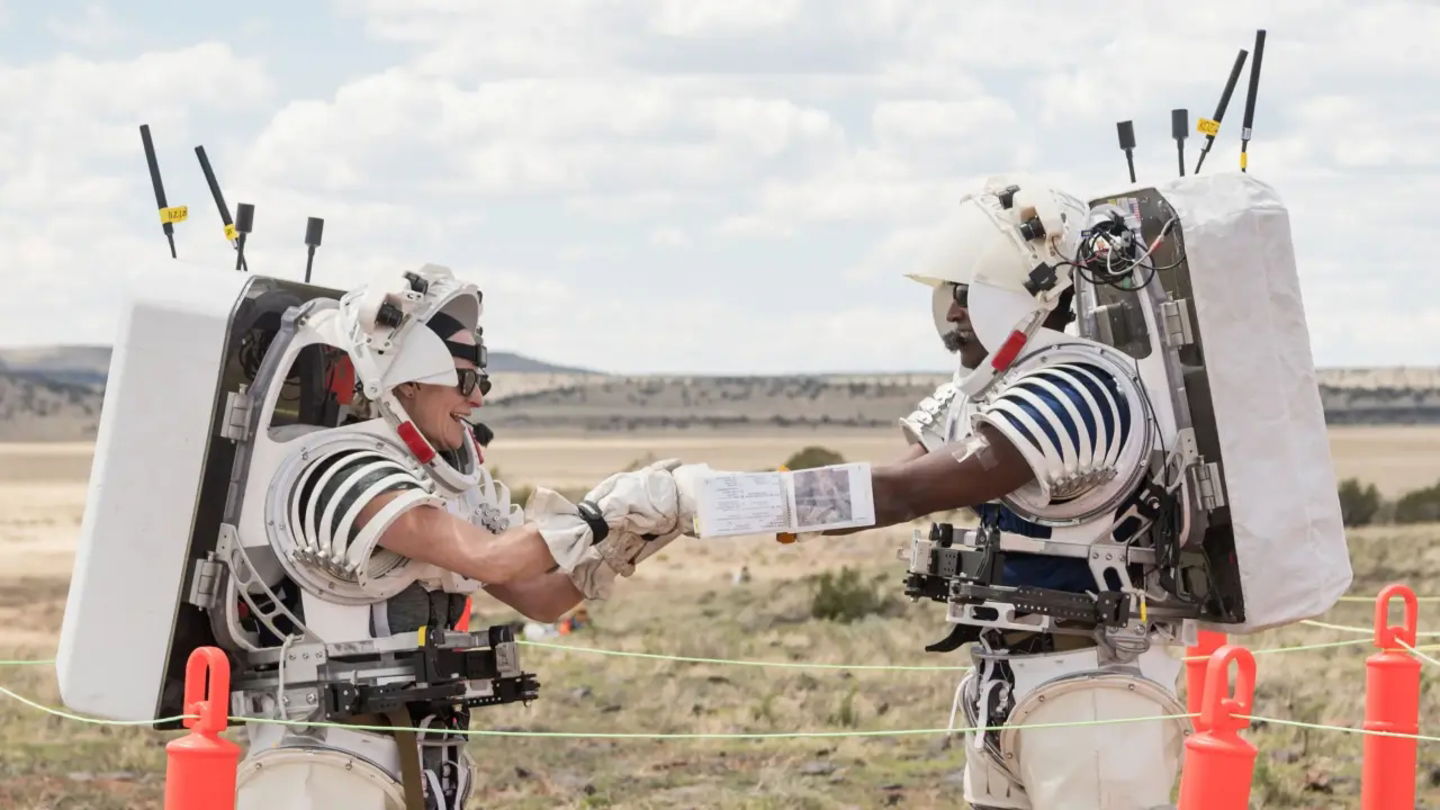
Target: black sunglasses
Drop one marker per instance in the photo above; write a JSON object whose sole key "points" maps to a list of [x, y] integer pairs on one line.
{"points": [[961, 294], [470, 379]]}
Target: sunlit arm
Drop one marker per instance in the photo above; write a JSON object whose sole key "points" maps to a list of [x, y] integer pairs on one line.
{"points": [[432, 535], [954, 476], [544, 598]]}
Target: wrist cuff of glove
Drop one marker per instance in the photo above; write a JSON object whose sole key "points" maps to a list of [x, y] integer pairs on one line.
{"points": [[595, 519]]}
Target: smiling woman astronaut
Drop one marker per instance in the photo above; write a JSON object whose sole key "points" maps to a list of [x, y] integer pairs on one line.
{"points": [[310, 498]]}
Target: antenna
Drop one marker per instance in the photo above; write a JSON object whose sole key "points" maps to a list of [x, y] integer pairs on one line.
{"points": [[1180, 130], [1250, 98], [168, 216], [244, 219], [314, 227], [231, 234], [1209, 127], [1126, 129]]}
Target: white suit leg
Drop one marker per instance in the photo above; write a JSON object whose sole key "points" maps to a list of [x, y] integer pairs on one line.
{"points": [[1119, 766], [357, 770]]}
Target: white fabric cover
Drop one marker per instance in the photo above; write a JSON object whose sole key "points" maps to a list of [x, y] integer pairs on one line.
{"points": [[314, 779], [1276, 457]]}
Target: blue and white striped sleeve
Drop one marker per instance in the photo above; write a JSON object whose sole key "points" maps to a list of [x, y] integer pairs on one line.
{"points": [[1068, 420], [329, 496]]}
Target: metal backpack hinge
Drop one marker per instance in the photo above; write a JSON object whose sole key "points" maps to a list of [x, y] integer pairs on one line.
{"points": [[236, 422]]}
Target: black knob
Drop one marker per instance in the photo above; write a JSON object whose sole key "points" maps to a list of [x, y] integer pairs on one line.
{"points": [[1032, 228], [389, 315], [417, 283], [1007, 196]]}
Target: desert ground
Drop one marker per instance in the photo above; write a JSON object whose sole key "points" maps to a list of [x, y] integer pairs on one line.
{"points": [[685, 602]]}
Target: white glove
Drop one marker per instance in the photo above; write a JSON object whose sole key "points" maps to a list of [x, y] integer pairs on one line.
{"points": [[631, 504], [687, 486]]}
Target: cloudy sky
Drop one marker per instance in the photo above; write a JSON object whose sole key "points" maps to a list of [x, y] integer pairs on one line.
{"points": [[691, 185]]}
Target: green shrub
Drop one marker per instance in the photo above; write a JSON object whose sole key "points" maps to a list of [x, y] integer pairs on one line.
{"points": [[1358, 505], [843, 597], [1420, 506], [814, 456]]}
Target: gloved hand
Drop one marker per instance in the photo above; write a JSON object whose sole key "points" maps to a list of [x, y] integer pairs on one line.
{"points": [[687, 486], [630, 504]]}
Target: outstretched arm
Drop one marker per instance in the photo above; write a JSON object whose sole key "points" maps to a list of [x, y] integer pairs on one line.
{"points": [[981, 468], [544, 598], [912, 451], [433, 535]]}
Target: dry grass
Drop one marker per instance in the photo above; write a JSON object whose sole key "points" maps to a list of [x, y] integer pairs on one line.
{"points": [[682, 602]]}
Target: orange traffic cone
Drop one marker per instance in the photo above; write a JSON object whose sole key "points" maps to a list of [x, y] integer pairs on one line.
{"points": [[1392, 703], [200, 767], [1208, 642], [1219, 764]]}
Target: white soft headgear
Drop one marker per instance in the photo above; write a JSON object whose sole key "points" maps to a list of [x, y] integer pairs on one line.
{"points": [[1012, 244], [384, 331]]}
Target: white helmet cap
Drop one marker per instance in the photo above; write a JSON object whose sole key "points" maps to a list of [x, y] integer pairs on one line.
{"points": [[1012, 244], [383, 326], [949, 259]]}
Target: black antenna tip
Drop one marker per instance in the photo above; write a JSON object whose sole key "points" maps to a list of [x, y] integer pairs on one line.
{"points": [[244, 217], [1126, 130], [1180, 124], [314, 228]]}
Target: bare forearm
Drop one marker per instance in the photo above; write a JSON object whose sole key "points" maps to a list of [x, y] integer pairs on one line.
{"points": [[514, 555], [435, 536], [912, 452], [544, 598], [980, 469]]}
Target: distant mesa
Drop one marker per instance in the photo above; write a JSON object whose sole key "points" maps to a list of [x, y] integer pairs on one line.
{"points": [[89, 364], [53, 393]]}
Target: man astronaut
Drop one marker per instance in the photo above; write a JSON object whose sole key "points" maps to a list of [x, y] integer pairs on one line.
{"points": [[342, 517], [1039, 419], [1094, 462]]}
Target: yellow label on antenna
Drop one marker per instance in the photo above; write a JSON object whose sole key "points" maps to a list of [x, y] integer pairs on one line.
{"points": [[420, 634], [1207, 127], [231, 233], [173, 214], [1244, 161]]}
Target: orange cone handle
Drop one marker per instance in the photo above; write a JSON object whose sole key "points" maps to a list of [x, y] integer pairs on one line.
{"points": [[1219, 764], [200, 767], [1392, 703], [1208, 642]]}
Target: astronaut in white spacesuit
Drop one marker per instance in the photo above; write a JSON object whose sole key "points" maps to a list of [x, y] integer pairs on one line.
{"points": [[336, 522], [1047, 437], [1156, 469]]}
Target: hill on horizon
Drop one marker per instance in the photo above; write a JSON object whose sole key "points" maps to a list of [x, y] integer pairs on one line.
{"points": [[54, 393], [90, 364]]}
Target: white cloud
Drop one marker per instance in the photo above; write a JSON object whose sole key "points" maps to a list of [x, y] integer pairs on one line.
{"points": [[569, 156], [669, 237], [690, 18], [904, 123], [76, 208], [95, 27]]}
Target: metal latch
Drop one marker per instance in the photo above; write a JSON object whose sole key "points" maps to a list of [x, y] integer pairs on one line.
{"points": [[236, 423], [204, 582], [1208, 487], [1175, 319]]}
